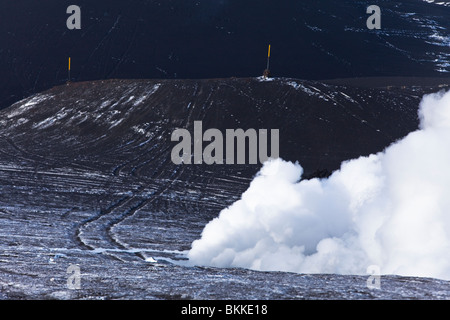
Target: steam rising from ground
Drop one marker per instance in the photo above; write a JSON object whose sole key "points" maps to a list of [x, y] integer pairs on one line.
{"points": [[391, 209]]}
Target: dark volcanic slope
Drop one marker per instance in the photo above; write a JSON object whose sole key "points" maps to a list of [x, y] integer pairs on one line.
{"points": [[120, 125], [209, 38], [86, 178]]}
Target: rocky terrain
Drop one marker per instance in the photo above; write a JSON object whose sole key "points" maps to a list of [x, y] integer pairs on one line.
{"points": [[86, 179]]}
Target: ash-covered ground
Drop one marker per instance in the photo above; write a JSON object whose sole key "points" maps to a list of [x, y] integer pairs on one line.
{"points": [[86, 179]]}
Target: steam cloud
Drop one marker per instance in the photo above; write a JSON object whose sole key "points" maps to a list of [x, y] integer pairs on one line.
{"points": [[390, 209]]}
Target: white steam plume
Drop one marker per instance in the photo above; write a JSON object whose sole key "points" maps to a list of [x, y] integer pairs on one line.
{"points": [[391, 209]]}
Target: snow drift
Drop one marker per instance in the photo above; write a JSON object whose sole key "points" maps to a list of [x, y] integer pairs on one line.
{"points": [[390, 209]]}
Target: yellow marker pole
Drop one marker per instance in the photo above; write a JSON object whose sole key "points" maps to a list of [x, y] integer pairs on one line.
{"points": [[268, 58], [69, 69]]}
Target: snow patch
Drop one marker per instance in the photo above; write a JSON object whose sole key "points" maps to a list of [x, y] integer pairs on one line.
{"points": [[314, 92], [144, 97], [29, 104]]}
